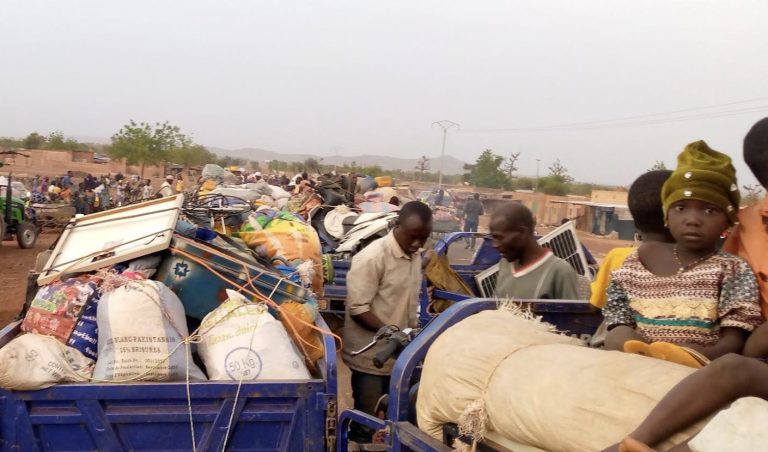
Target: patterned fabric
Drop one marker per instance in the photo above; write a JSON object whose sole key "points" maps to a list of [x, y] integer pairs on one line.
{"points": [[67, 311], [689, 307], [285, 235]]}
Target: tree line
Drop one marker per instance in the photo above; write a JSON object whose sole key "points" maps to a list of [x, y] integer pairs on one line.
{"points": [[54, 141], [143, 144], [495, 171]]}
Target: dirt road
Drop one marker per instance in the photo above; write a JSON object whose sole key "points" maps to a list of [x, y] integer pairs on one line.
{"points": [[15, 263]]}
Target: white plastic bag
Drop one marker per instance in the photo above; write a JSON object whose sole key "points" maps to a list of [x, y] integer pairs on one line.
{"points": [[141, 330], [31, 361], [241, 340]]}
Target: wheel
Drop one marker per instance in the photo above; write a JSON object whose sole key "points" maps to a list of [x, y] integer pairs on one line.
{"points": [[26, 235]]}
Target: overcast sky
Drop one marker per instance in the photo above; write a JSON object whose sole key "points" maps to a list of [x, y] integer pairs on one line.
{"points": [[369, 77]]}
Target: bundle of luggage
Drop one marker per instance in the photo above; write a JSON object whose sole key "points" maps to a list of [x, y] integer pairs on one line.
{"points": [[203, 307]]}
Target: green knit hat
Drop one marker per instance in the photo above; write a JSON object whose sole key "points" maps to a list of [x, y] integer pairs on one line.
{"points": [[704, 174]]}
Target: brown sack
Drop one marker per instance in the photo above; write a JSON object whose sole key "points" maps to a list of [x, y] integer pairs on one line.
{"points": [[565, 398]]}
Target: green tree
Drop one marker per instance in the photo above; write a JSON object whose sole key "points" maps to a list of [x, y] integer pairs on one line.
{"points": [[34, 141], [553, 185], [6, 142], [524, 183], [56, 140], [487, 171], [145, 144], [190, 154]]}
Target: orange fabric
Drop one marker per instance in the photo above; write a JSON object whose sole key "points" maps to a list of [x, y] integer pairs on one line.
{"points": [[749, 240], [309, 341]]}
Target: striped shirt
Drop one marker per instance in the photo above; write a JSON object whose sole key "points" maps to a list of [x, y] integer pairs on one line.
{"points": [[689, 307]]}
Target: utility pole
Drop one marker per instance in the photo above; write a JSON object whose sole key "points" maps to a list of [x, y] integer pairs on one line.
{"points": [[536, 188], [445, 125]]}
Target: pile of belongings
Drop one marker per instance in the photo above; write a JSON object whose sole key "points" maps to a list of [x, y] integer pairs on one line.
{"points": [[140, 319], [383, 199], [218, 181], [287, 238]]}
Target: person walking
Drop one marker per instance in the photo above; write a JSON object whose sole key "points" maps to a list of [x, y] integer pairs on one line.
{"points": [[472, 211]]}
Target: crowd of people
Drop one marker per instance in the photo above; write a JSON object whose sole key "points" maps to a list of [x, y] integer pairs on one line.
{"points": [[688, 293], [91, 193]]}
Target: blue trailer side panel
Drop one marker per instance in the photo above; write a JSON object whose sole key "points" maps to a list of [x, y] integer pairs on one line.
{"points": [[266, 415]]}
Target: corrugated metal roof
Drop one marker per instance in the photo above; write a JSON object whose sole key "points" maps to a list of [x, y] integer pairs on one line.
{"points": [[593, 204]]}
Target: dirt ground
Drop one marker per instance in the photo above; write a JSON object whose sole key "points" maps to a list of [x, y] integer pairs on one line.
{"points": [[15, 263]]}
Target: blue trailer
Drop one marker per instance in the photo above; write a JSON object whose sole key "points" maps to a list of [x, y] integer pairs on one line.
{"points": [[262, 415], [578, 318]]}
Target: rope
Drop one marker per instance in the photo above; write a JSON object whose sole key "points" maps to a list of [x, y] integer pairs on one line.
{"points": [[189, 403], [255, 292]]}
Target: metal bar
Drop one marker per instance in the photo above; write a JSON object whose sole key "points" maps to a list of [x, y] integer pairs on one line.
{"points": [[409, 438]]}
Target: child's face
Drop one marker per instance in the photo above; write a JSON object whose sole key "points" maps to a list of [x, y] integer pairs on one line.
{"points": [[696, 225]]}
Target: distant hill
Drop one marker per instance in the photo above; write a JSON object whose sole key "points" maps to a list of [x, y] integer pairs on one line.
{"points": [[452, 165]]}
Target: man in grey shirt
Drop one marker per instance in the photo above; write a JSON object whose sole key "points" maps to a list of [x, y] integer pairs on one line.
{"points": [[527, 270]]}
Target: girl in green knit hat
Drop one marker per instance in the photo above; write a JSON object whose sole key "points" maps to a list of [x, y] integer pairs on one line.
{"points": [[726, 379], [687, 302]]}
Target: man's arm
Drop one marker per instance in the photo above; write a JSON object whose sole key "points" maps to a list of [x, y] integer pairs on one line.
{"points": [[368, 320], [363, 282]]}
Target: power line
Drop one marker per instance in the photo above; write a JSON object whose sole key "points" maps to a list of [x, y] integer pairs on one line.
{"points": [[631, 121]]}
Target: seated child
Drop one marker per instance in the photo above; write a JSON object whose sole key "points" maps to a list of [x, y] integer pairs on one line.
{"points": [[687, 302], [644, 202], [730, 377]]}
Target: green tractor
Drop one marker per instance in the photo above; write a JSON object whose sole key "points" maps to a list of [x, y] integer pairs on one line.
{"points": [[17, 220]]}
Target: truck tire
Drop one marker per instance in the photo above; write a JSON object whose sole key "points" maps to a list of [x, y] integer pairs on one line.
{"points": [[26, 235]]}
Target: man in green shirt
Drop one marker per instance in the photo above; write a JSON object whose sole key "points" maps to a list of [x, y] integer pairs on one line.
{"points": [[527, 270]]}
